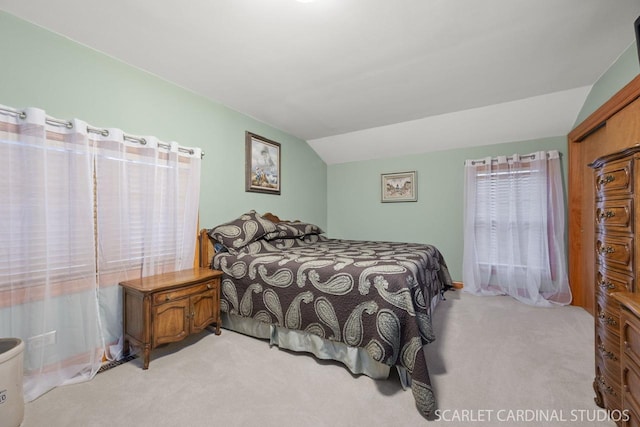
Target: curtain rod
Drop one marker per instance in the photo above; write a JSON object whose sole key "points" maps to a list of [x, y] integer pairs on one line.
{"points": [[494, 160], [104, 132]]}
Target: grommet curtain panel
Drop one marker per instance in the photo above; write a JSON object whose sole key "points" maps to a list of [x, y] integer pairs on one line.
{"points": [[147, 210], [83, 209], [47, 261], [514, 225]]}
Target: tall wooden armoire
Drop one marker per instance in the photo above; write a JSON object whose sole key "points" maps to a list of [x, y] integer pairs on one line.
{"points": [[604, 220], [617, 197]]}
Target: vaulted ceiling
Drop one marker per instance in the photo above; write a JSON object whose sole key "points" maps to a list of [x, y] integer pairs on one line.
{"points": [[366, 78]]}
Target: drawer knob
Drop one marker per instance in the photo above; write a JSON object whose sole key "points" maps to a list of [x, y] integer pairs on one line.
{"points": [[604, 284], [209, 286], [604, 387], [608, 319], [167, 298], [607, 354], [606, 214], [605, 250], [606, 179]]}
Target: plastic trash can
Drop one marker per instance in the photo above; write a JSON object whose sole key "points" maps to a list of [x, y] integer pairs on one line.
{"points": [[11, 397]]}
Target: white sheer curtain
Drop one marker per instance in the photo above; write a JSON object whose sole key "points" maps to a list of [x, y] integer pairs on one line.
{"points": [[47, 247], [147, 204], [514, 229], [83, 209]]}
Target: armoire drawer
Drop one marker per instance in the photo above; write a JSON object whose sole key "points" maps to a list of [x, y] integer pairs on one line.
{"points": [[609, 388], [608, 315], [615, 178], [608, 348], [608, 282], [615, 251], [615, 215]]}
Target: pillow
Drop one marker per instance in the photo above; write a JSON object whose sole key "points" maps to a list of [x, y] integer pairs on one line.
{"points": [[313, 238], [281, 244], [288, 230], [240, 232]]}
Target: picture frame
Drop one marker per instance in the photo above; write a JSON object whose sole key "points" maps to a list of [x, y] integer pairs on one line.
{"points": [[262, 164], [399, 187]]}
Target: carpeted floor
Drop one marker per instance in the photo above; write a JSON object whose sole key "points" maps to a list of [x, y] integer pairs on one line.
{"points": [[495, 362]]}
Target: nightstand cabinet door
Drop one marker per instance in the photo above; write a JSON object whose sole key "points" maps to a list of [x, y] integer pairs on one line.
{"points": [[203, 312], [171, 321]]}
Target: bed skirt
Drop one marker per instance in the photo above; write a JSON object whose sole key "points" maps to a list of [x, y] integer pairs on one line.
{"points": [[356, 359]]}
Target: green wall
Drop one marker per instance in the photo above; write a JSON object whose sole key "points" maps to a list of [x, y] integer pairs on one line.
{"points": [[42, 69], [69, 80], [355, 210], [625, 69]]}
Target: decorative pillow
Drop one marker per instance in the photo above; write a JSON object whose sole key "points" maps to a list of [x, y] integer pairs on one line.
{"points": [[247, 228], [271, 245], [314, 238], [288, 230]]}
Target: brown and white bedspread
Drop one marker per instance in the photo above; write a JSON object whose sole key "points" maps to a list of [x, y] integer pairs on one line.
{"points": [[374, 295]]}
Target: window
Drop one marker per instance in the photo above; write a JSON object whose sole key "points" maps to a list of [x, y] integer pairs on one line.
{"points": [[83, 209], [514, 228]]}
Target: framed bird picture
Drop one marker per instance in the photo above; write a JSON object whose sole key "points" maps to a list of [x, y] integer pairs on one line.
{"points": [[262, 164]]}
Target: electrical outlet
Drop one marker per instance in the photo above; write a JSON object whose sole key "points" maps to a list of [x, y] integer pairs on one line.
{"points": [[42, 340]]}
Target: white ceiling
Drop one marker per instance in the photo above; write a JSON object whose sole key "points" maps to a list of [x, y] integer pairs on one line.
{"points": [[363, 79]]}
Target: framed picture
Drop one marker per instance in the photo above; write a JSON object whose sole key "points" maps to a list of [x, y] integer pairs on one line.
{"points": [[399, 187], [262, 164]]}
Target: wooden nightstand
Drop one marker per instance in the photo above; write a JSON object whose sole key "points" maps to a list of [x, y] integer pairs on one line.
{"points": [[168, 307]]}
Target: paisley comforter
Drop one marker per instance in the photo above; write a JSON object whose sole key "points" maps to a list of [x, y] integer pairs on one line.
{"points": [[374, 295]]}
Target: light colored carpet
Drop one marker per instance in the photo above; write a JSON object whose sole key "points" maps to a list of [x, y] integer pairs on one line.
{"points": [[494, 360]]}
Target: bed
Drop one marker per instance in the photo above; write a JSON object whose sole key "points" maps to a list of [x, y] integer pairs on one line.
{"points": [[366, 304]]}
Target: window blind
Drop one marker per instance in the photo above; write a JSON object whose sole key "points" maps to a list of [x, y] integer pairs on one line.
{"points": [[46, 211]]}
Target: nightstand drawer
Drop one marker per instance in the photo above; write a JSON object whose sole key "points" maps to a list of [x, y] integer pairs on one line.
{"points": [[179, 293]]}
